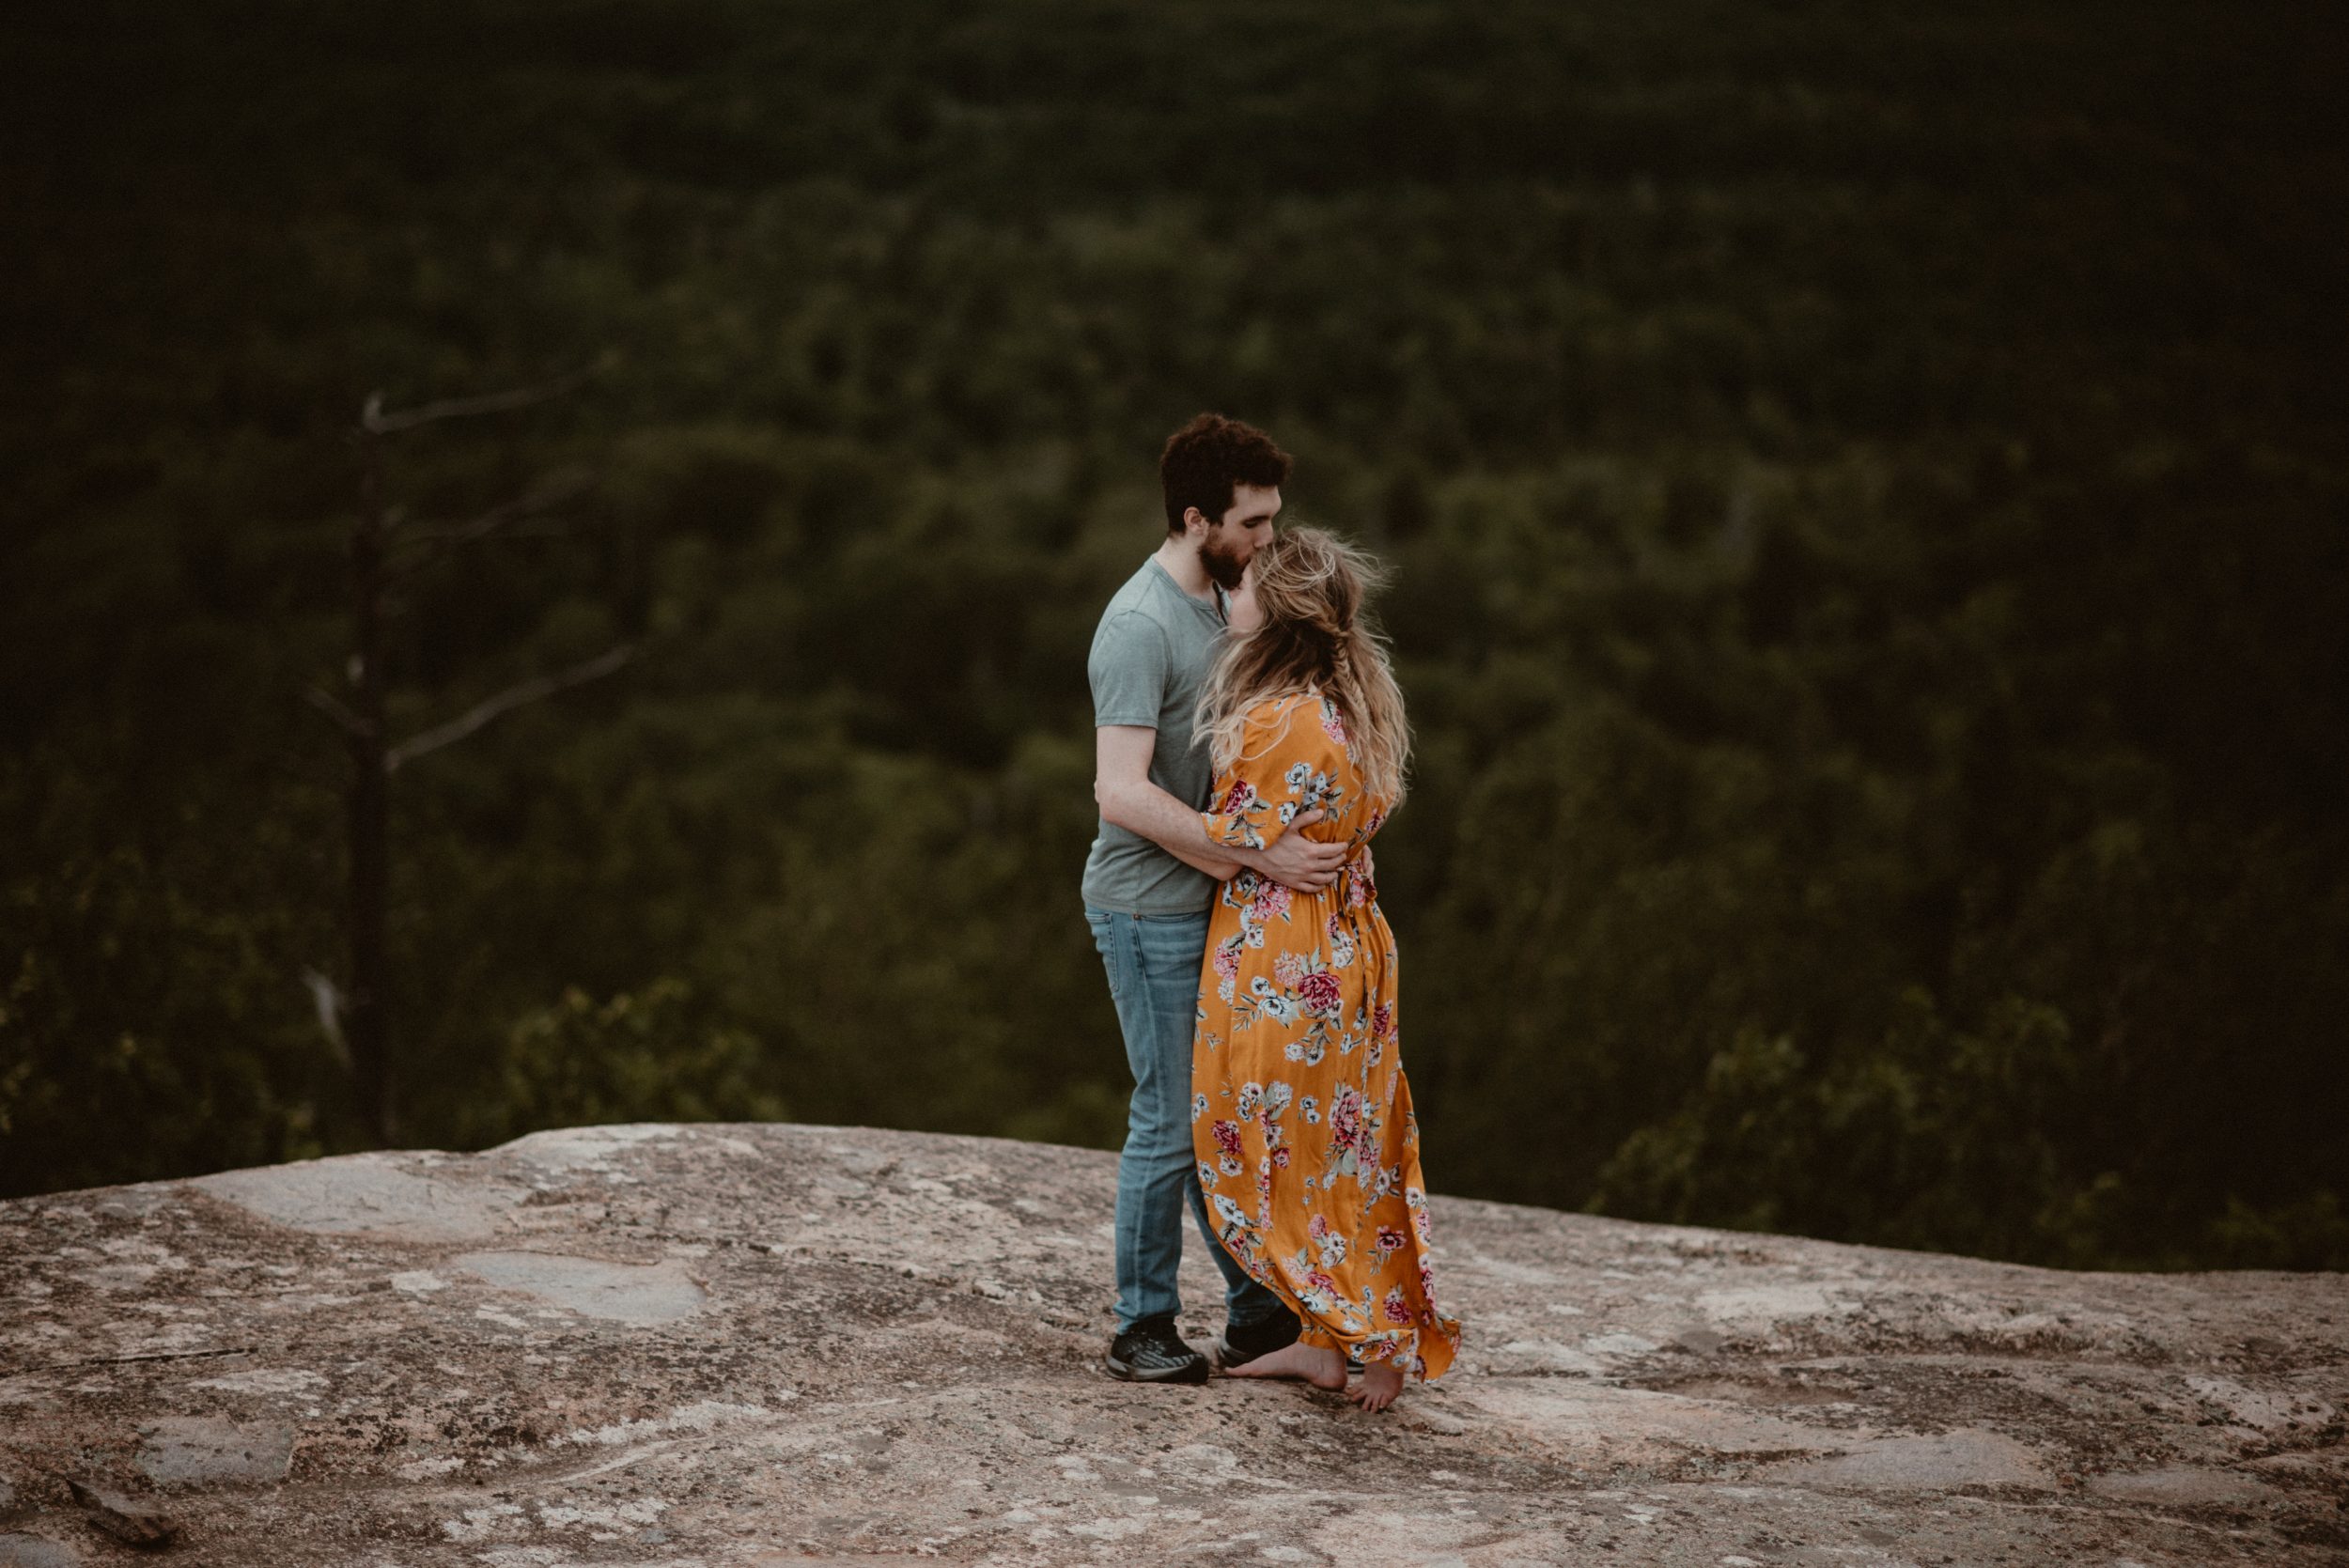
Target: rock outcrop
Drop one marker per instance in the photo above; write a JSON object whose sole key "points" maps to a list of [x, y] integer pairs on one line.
{"points": [[722, 1345]]}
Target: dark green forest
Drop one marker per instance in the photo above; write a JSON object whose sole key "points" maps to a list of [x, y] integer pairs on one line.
{"points": [[1867, 485]]}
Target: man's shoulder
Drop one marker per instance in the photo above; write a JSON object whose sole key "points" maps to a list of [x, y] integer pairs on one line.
{"points": [[1129, 627], [1137, 609], [1142, 594]]}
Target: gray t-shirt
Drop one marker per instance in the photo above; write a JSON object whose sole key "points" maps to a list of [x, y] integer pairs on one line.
{"points": [[1149, 656]]}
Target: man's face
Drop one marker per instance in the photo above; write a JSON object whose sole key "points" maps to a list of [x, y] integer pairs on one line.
{"points": [[1226, 546]]}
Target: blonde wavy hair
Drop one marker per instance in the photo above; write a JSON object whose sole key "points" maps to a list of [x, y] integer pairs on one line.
{"points": [[1315, 638]]}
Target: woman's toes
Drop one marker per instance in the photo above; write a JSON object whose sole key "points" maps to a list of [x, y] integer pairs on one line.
{"points": [[1381, 1383]]}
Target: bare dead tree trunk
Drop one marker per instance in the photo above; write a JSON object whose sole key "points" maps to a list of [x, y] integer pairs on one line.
{"points": [[365, 1026], [358, 1019]]}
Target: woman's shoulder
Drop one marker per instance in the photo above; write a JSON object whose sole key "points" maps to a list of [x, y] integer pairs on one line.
{"points": [[1276, 712], [1298, 722]]}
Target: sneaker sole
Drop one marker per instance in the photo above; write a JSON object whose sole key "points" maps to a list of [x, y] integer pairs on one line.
{"points": [[1193, 1370], [1221, 1354]]}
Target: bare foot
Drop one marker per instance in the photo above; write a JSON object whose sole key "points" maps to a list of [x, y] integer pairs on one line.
{"points": [[1380, 1383], [1318, 1364]]}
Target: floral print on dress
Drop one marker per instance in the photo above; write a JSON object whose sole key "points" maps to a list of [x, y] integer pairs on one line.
{"points": [[1301, 1115]]}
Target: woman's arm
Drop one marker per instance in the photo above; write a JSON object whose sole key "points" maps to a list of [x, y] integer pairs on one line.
{"points": [[1283, 777], [1128, 797]]}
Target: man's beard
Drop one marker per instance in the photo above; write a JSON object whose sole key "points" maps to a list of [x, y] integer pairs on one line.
{"points": [[1222, 566]]}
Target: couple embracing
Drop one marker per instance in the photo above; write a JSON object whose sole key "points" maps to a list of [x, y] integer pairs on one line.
{"points": [[1250, 742]]}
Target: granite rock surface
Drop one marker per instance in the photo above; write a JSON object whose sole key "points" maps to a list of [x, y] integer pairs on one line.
{"points": [[710, 1346]]}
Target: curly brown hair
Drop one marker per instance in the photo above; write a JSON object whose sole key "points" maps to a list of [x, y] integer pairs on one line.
{"points": [[1208, 457]]}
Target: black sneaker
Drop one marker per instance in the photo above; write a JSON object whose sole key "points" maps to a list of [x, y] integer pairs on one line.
{"points": [[1152, 1352], [1243, 1342]]}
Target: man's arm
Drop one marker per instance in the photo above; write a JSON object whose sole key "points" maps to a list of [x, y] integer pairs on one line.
{"points": [[1121, 784]]}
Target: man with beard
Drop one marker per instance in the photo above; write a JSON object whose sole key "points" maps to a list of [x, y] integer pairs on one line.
{"points": [[1153, 872]]}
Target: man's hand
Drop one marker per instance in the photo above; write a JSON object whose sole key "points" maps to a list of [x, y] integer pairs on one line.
{"points": [[1295, 861], [1122, 785]]}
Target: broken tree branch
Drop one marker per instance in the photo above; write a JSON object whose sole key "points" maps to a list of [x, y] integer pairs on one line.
{"points": [[374, 422], [552, 491], [328, 998], [332, 706], [505, 702]]}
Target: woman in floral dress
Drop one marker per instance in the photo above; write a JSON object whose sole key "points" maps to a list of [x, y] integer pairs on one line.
{"points": [[1301, 1115]]}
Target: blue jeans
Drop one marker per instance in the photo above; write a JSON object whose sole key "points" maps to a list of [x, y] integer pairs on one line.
{"points": [[1154, 963]]}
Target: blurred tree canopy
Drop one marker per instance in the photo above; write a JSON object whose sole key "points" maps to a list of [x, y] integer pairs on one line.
{"points": [[1867, 485]]}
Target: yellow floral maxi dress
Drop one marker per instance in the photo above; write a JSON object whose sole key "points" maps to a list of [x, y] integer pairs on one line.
{"points": [[1300, 1116]]}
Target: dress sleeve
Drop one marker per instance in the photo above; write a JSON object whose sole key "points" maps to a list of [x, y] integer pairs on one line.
{"points": [[1288, 765]]}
